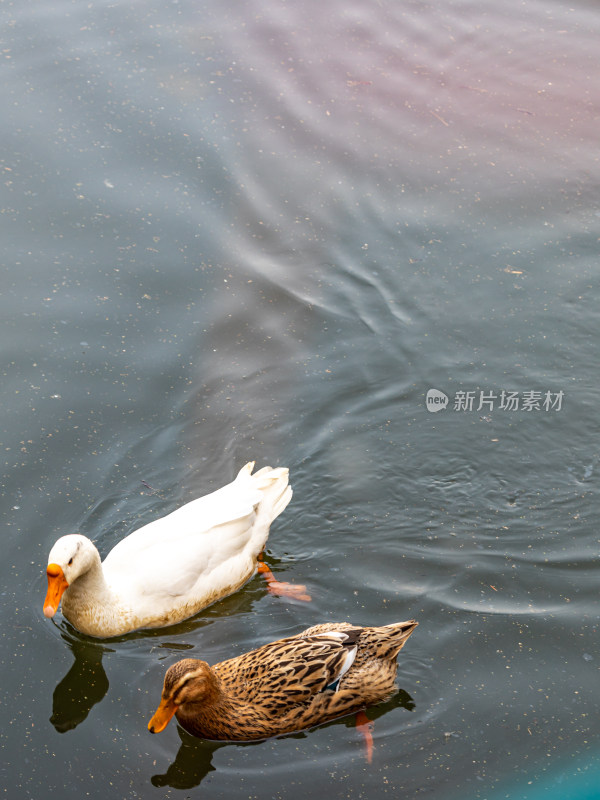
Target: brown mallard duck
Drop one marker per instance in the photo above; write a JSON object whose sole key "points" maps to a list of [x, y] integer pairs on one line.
{"points": [[325, 672], [175, 566]]}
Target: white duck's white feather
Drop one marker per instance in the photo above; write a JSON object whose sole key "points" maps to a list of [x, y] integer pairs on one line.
{"points": [[175, 566]]}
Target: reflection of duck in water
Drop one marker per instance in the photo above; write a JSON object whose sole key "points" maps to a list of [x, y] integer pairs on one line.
{"points": [[84, 685], [173, 567], [191, 765], [325, 672]]}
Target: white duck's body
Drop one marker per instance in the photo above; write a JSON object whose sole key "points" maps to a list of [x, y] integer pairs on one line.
{"points": [[171, 568]]}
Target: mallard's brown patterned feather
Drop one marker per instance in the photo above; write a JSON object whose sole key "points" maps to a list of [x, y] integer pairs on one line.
{"points": [[324, 672]]}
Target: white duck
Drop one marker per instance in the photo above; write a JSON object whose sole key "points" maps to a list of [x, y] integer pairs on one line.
{"points": [[173, 567]]}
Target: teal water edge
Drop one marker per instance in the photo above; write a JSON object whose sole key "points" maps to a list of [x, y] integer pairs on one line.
{"points": [[359, 240], [573, 779]]}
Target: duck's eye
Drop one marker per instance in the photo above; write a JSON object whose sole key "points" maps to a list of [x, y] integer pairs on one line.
{"points": [[70, 562]]}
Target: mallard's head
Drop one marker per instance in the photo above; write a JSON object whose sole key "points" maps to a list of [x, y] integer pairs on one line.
{"points": [[187, 682]]}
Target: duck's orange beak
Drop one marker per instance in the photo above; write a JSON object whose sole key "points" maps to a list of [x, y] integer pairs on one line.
{"points": [[162, 717], [57, 583]]}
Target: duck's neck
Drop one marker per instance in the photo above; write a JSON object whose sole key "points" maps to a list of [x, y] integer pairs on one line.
{"points": [[209, 716], [86, 596], [220, 716]]}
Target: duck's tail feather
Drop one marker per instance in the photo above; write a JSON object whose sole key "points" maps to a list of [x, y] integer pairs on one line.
{"points": [[388, 640], [273, 484]]}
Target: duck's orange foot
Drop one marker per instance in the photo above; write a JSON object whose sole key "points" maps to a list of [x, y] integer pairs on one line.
{"points": [[282, 588], [365, 727]]}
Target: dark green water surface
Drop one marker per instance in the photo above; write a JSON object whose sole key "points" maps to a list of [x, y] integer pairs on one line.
{"points": [[265, 230]]}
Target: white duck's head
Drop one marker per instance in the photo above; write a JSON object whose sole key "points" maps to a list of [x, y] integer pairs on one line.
{"points": [[72, 556]]}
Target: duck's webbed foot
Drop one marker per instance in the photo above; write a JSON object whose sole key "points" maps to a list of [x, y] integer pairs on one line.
{"points": [[365, 727], [282, 588]]}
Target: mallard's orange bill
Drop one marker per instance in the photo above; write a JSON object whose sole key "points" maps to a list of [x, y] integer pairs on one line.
{"points": [[57, 584], [162, 717]]}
